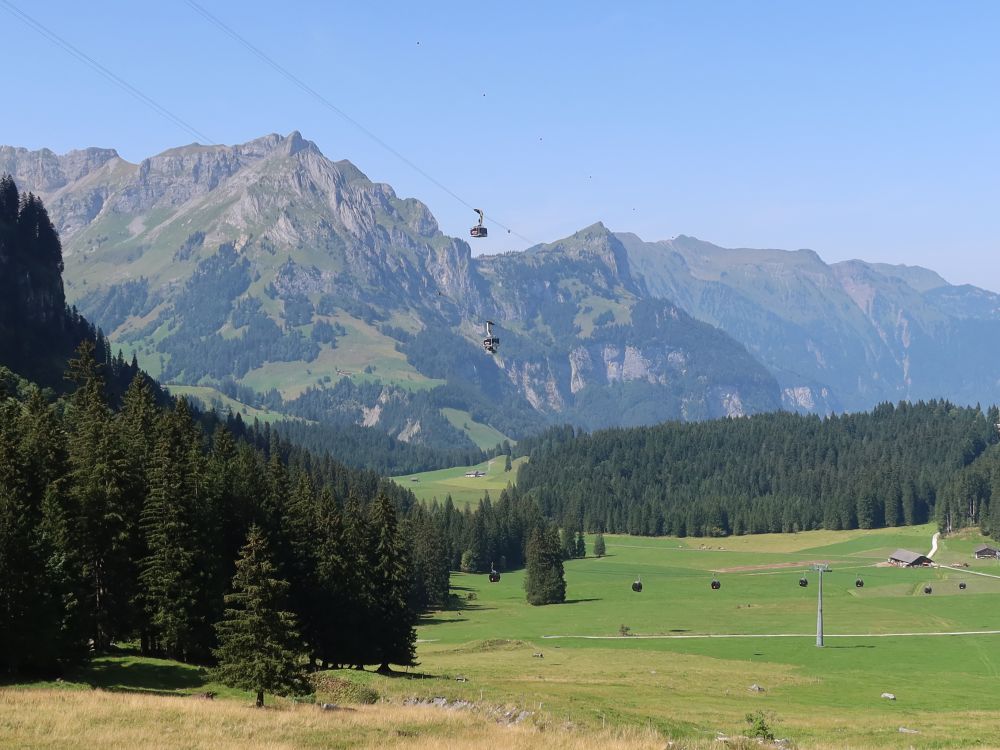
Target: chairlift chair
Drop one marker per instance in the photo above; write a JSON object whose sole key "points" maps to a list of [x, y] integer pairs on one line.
{"points": [[803, 582], [962, 585], [859, 583], [494, 575], [927, 589], [716, 584], [637, 585]]}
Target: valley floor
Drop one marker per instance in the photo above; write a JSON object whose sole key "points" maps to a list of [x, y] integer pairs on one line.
{"points": [[667, 681]]}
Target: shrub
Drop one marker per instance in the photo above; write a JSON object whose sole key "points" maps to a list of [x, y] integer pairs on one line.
{"points": [[331, 689]]}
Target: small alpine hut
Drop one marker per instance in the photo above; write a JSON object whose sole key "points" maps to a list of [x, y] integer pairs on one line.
{"points": [[985, 551], [903, 558]]}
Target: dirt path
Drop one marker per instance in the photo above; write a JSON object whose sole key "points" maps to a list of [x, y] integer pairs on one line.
{"points": [[934, 544]]}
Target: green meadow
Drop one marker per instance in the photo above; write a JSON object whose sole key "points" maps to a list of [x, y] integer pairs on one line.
{"points": [[692, 653], [677, 663], [430, 485]]}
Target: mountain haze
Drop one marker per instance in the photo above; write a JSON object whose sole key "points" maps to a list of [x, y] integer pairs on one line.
{"points": [[841, 336], [267, 271]]}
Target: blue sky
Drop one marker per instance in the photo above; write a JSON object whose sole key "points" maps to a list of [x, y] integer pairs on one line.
{"points": [[858, 129]]}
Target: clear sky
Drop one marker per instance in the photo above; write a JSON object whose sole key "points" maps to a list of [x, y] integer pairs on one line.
{"points": [[858, 129]]}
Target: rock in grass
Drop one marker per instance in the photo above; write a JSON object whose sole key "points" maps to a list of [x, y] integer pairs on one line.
{"points": [[889, 696]]}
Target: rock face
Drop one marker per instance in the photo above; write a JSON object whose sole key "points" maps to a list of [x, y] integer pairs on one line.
{"points": [[324, 275]]}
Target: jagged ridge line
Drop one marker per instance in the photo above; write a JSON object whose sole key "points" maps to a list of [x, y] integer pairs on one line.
{"points": [[264, 57]]}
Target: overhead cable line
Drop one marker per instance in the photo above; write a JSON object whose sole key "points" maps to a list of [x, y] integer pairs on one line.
{"points": [[83, 57], [265, 58]]}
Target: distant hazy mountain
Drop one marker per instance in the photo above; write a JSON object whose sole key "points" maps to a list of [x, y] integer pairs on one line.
{"points": [[841, 336], [266, 266]]}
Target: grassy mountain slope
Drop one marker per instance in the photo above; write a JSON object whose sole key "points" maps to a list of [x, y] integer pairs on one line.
{"points": [[270, 265]]}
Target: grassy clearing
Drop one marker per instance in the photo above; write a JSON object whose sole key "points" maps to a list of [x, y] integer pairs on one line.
{"points": [[481, 434], [205, 395], [463, 490], [363, 347]]}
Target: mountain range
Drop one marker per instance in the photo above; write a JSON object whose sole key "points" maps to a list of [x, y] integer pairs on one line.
{"points": [[268, 273]]}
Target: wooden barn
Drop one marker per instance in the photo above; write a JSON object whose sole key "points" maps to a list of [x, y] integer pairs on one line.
{"points": [[903, 558], [985, 551]]}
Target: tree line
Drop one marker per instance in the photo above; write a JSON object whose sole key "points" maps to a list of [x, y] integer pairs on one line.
{"points": [[775, 472]]}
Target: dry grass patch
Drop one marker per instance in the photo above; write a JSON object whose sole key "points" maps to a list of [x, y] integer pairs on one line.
{"points": [[43, 719]]}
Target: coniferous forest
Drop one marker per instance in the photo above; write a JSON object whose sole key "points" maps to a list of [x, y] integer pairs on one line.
{"points": [[893, 466]]}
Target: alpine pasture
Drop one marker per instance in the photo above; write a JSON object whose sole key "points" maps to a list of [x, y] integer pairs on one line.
{"points": [[679, 662]]}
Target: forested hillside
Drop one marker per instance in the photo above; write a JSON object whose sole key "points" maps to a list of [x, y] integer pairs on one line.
{"points": [[122, 515], [767, 473]]}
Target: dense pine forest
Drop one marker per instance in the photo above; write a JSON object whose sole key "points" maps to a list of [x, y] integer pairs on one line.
{"points": [[125, 525], [896, 465]]}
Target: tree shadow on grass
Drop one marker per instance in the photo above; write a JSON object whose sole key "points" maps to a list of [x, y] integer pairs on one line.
{"points": [[580, 601], [147, 676]]}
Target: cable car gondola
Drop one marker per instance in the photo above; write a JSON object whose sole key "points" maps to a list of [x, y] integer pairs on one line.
{"points": [[479, 230], [491, 342], [637, 585], [859, 583], [716, 585], [803, 582]]}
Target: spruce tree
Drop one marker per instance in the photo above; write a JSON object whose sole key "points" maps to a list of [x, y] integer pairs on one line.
{"points": [[599, 548], [170, 571], [28, 620], [581, 545], [259, 647], [392, 632], [545, 581], [98, 480]]}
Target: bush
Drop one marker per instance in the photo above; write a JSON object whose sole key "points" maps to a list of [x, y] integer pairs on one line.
{"points": [[331, 689], [759, 724]]}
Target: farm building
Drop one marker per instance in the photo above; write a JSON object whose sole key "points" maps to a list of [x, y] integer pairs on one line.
{"points": [[985, 551], [903, 558]]}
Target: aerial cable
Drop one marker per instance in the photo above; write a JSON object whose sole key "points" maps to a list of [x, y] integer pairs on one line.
{"points": [[265, 58], [83, 57]]}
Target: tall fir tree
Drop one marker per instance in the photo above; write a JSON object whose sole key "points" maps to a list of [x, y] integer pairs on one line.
{"points": [[259, 646], [392, 632], [98, 479], [544, 580], [169, 572]]}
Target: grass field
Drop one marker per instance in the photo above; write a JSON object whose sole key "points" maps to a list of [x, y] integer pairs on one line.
{"points": [[680, 675], [482, 435], [464, 490], [205, 395], [690, 687]]}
